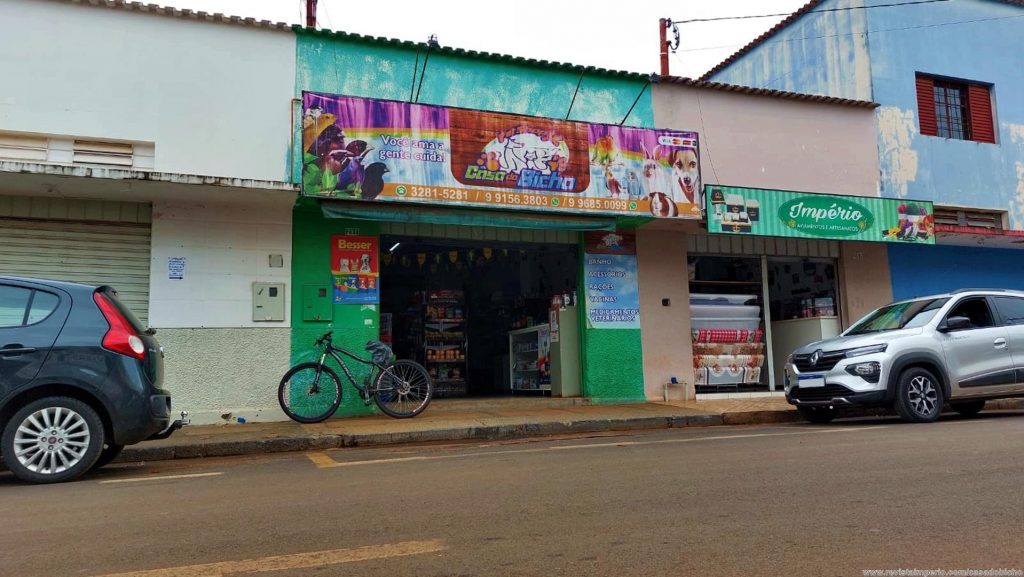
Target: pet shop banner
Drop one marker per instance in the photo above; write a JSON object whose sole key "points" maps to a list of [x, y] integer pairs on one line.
{"points": [[377, 150], [756, 211], [609, 271], [355, 269]]}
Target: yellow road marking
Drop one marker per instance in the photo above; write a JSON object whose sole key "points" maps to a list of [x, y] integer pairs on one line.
{"points": [[161, 478], [324, 461], [321, 459], [294, 561], [714, 438]]}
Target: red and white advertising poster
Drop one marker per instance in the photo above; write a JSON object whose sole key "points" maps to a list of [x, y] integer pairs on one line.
{"points": [[355, 266]]}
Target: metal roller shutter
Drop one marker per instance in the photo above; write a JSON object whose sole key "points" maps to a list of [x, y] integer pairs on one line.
{"points": [[723, 244], [112, 253]]}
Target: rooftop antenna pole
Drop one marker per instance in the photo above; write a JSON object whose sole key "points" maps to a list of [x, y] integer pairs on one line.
{"points": [[311, 13], [663, 45], [663, 26]]}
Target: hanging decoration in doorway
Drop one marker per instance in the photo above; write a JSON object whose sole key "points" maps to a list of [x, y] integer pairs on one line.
{"points": [[376, 150], [355, 268]]}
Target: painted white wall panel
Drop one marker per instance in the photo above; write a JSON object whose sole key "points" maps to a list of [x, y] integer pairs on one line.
{"points": [[226, 248], [214, 98]]}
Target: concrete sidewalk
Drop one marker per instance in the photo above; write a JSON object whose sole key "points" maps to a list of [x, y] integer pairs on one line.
{"points": [[459, 420]]}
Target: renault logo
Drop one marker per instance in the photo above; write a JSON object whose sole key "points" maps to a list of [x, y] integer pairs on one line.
{"points": [[815, 357]]}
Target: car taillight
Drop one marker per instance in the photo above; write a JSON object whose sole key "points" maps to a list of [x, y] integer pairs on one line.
{"points": [[121, 337]]}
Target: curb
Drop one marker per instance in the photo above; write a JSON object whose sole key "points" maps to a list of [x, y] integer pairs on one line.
{"points": [[141, 453]]}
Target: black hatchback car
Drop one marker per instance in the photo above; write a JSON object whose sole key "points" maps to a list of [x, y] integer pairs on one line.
{"points": [[80, 378]]}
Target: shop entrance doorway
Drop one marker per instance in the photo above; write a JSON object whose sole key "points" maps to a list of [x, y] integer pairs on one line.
{"points": [[748, 313], [475, 313]]}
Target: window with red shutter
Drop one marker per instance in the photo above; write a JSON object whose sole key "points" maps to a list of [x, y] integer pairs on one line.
{"points": [[979, 105], [955, 109], [926, 106]]}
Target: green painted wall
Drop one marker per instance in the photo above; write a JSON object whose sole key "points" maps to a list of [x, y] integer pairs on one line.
{"points": [[338, 64], [612, 359], [353, 325]]}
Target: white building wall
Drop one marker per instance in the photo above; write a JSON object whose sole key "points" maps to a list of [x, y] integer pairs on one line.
{"points": [[213, 98], [221, 365], [226, 247]]}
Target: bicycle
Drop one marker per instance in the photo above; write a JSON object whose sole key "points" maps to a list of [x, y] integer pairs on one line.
{"points": [[402, 389]]}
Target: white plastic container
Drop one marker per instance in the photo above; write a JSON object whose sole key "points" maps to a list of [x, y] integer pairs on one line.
{"points": [[730, 299], [724, 311]]}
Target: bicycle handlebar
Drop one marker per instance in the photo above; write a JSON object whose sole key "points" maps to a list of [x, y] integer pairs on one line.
{"points": [[324, 339]]}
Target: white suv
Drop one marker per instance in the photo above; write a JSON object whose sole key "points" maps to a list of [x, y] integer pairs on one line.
{"points": [[962, 348]]}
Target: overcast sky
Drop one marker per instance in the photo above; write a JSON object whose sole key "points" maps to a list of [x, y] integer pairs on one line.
{"points": [[619, 34]]}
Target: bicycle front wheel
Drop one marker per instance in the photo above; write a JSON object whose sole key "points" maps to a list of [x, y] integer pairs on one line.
{"points": [[309, 393], [403, 389]]}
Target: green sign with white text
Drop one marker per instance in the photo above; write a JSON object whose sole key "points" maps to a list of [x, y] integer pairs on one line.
{"points": [[764, 212]]}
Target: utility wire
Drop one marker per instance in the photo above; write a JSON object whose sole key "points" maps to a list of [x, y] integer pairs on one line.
{"points": [[823, 10], [853, 33], [704, 143], [327, 13]]}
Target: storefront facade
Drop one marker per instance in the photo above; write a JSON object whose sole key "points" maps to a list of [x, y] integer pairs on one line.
{"points": [[967, 160], [446, 251], [739, 298], [143, 169]]}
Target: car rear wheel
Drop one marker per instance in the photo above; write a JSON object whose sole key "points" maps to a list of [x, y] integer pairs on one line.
{"points": [[968, 408], [919, 396], [819, 415], [52, 440]]}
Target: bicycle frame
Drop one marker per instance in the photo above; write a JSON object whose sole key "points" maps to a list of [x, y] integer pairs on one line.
{"points": [[333, 352]]}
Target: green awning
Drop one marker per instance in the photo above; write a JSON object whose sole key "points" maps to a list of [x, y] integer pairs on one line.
{"points": [[418, 213]]}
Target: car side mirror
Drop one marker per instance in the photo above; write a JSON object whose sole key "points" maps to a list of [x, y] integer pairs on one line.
{"points": [[956, 324]]}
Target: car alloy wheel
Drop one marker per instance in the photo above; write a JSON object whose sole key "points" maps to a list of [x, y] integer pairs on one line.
{"points": [[51, 440], [923, 395]]}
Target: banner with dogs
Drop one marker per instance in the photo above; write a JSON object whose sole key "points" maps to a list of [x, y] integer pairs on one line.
{"points": [[763, 212], [379, 150]]}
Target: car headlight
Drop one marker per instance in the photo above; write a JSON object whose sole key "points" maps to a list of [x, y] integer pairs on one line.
{"points": [[870, 371], [870, 350]]}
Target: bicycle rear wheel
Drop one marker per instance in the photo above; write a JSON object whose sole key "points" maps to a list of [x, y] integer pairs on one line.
{"points": [[309, 393], [403, 389]]}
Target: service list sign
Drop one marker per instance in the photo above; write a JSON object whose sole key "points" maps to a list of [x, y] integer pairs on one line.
{"points": [[610, 274], [378, 150]]}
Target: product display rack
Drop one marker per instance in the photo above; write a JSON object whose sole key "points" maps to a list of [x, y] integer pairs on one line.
{"points": [[529, 352], [445, 348], [728, 336]]}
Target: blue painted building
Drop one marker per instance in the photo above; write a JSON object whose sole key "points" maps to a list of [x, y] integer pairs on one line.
{"points": [[950, 127]]}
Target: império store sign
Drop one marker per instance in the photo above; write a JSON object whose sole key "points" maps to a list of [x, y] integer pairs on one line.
{"points": [[765, 212]]}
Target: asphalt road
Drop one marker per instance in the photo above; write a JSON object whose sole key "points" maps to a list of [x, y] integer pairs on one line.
{"points": [[770, 500]]}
